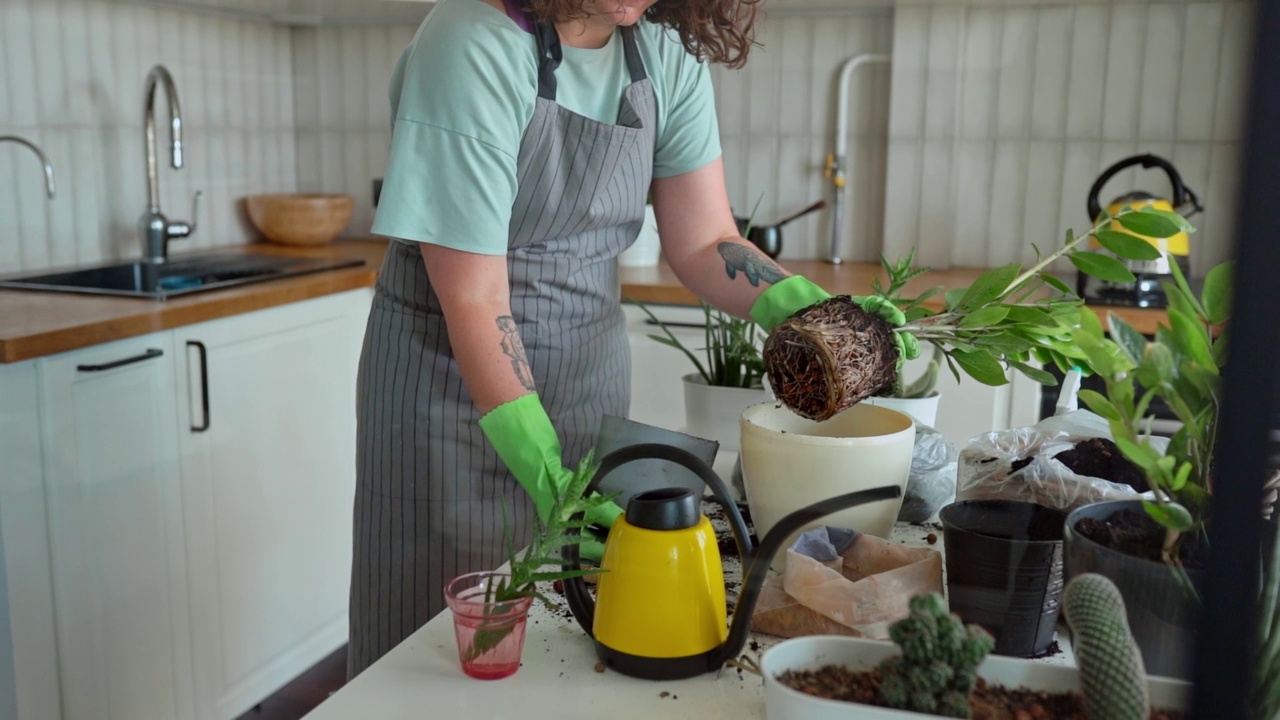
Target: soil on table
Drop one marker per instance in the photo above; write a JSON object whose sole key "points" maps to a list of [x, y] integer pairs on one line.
{"points": [[1135, 534], [987, 702]]}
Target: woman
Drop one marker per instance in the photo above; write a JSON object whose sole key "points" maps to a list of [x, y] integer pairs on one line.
{"points": [[524, 144]]}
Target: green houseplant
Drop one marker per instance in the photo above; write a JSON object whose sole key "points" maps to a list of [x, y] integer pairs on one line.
{"points": [[490, 609]]}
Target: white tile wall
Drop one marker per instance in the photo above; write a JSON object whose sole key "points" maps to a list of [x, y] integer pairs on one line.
{"points": [[71, 80], [1002, 117], [343, 111], [778, 122]]}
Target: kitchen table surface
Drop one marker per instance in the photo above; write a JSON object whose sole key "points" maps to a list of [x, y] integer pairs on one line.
{"points": [[558, 677]]}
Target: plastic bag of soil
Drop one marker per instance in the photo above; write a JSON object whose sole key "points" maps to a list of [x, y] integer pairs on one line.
{"points": [[932, 480], [842, 582], [1062, 462]]}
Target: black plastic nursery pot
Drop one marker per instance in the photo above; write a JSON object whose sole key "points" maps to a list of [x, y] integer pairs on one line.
{"points": [[1161, 611], [1005, 570]]}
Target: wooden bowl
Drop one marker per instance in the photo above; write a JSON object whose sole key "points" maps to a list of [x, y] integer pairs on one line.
{"points": [[299, 218]]}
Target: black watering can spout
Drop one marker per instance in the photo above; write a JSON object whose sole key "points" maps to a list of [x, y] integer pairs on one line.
{"points": [[755, 561]]}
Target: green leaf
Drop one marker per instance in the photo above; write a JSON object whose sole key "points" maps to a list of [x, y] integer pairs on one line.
{"points": [[1185, 287], [988, 286], [1171, 515], [1057, 284], [1098, 403], [1141, 455], [1220, 348], [1130, 341], [1034, 373], [981, 366], [1217, 293], [1150, 224], [1180, 477], [1127, 246], [953, 296], [1191, 338], [1183, 224], [985, 317], [1156, 367], [926, 295], [1032, 316], [951, 365], [1103, 267]]}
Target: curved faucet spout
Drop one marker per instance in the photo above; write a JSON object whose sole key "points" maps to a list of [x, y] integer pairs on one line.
{"points": [[159, 75], [48, 168]]}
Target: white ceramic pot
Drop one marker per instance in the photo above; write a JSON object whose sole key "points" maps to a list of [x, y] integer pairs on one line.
{"points": [[924, 410], [815, 651], [789, 462], [714, 412], [646, 250]]}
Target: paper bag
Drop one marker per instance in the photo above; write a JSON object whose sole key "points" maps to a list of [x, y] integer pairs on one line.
{"points": [[841, 582]]}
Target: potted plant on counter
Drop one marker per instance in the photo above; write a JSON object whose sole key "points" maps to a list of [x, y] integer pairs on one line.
{"points": [[490, 608]]}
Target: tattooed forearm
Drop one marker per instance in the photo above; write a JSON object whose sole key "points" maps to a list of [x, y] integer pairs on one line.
{"points": [[753, 265], [513, 347]]}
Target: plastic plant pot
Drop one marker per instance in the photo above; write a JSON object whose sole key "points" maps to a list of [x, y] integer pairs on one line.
{"points": [[490, 633], [1005, 570]]}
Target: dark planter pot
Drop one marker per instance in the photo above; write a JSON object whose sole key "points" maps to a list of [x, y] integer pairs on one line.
{"points": [[1162, 614], [1005, 570]]}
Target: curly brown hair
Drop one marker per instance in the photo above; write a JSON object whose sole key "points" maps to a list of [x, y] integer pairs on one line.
{"points": [[718, 31]]}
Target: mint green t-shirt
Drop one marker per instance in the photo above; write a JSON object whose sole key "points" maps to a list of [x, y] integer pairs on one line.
{"points": [[463, 93]]}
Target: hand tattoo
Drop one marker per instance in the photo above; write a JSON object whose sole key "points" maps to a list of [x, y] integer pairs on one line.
{"points": [[513, 347], [753, 265]]}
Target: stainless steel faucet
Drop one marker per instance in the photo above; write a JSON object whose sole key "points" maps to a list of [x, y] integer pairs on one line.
{"points": [[156, 230], [48, 169]]}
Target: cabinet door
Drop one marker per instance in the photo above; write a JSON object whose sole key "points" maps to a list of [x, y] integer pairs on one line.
{"points": [[110, 429], [268, 458]]}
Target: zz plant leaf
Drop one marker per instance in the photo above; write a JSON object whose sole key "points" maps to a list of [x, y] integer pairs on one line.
{"points": [[1101, 266], [1216, 296], [1127, 246]]}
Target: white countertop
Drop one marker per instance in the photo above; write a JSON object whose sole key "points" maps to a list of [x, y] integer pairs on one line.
{"points": [[422, 677]]}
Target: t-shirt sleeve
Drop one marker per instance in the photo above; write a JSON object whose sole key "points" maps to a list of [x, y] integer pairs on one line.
{"points": [[465, 98], [689, 135]]}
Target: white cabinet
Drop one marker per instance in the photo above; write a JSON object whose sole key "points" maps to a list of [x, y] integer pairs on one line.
{"points": [[118, 561], [28, 646], [267, 436], [657, 392]]}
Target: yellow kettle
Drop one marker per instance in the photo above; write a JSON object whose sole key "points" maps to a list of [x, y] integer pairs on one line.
{"points": [[659, 611]]}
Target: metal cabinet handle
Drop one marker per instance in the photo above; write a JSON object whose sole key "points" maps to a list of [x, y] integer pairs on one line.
{"points": [[152, 353], [204, 384]]}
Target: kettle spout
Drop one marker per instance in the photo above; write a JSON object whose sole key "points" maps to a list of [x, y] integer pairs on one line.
{"points": [[756, 568]]}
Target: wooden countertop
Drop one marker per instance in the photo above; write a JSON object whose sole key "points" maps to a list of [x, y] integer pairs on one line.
{"points": [[34, 324], [658, 285]]}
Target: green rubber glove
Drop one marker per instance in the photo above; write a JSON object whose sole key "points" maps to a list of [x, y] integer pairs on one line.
{"points": [[784, 299], [908, 345], [524, 438]]}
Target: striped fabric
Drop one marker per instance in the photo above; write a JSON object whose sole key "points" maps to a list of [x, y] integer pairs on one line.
{"points": [[430, 490]]}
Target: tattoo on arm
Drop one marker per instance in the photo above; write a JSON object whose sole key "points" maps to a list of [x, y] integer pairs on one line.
{"points": [[513, 347], [756, 267]]}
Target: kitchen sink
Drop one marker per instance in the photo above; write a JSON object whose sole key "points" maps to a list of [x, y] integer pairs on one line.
{"points": [[181, 276]]}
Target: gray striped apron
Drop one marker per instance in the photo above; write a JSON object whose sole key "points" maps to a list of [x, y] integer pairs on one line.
{"points": [[431, 493]]}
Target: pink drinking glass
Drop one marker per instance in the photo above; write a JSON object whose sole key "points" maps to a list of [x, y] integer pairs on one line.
{"points": [[490, 633]]}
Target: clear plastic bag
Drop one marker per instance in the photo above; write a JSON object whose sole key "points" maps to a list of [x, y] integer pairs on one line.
{"points": [[986, 469], [932, 481], [841, 582]]}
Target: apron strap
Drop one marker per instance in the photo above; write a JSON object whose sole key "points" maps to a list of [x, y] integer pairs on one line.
{"points": [[550, 55]]}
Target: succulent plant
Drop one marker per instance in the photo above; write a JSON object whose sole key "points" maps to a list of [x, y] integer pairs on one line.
{"points": [[1111, 669], [938, 667]]}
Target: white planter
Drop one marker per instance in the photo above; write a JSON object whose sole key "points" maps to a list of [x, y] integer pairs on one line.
{"points": [[714, 412], [789, 462], [813, 652], [924, 410], [646, 250]]}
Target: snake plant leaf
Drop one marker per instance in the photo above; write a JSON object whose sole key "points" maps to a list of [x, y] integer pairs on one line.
{"points": [[1148, 223], [1216, 296], [1103, 267], [1127, 246], [1170, 514]]}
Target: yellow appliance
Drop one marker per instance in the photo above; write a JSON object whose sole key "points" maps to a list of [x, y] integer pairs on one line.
{"points": [[659, 611], [1146, 290]]}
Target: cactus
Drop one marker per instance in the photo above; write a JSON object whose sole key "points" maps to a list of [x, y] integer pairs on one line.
{"points": [[938, 666], [1111, 670]]}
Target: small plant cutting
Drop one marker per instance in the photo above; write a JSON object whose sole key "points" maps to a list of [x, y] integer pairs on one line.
{"points": [[489, 617], [830, 356]]}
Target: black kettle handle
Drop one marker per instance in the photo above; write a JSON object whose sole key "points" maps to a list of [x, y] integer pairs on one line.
{"points": [[575, 589], [1180, 191]]}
